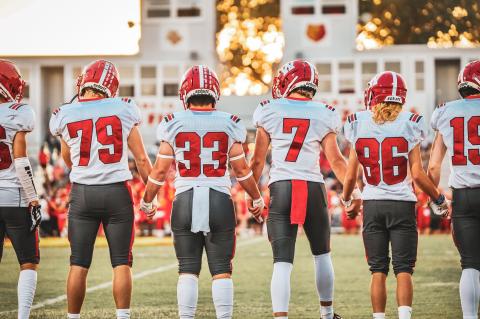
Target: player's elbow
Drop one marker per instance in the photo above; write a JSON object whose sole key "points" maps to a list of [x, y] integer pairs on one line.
{"points": [[240, 170]]}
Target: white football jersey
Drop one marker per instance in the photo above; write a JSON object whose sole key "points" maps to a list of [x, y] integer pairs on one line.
{"points": [[459, 124], [14, 117], [201, 141], [383, 149], [296, 128], [97, 132]]}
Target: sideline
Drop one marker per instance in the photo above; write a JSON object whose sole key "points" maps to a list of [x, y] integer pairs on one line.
{"points": [[142, 274]]}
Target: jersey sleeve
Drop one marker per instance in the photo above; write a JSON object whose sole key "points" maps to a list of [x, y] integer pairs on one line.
{"points": [[165, 130], [419, 130], [133, 111], [348, 132], [25, 121], [55, 124], [436, 116], [331, 123], [237, 130]]}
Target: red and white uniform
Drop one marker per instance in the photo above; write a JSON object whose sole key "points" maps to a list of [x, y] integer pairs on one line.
{"points": [[383, 152], [201, 141], [96, 132], [14, 117], [459, 124], [296, 128]]}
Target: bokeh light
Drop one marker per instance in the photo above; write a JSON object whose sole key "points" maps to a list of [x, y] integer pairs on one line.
{"points": [[249, 45]]}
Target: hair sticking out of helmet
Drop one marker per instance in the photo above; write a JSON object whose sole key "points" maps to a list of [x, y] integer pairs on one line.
{"points": [[295, 75], [101, 76], [11, 82], [199, 80], [386, 112], [469, 79], [385, 87]]}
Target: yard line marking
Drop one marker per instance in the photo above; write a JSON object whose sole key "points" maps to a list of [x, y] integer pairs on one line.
{"points": [[142, 274]]}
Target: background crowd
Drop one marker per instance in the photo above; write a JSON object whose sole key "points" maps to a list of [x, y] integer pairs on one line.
{"points": [[55, 188]]}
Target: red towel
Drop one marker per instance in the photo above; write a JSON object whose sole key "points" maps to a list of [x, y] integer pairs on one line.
{"points": [[298, 211]]}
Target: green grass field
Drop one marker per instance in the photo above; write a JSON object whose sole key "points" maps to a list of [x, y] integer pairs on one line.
{"points": [[154, 296]]}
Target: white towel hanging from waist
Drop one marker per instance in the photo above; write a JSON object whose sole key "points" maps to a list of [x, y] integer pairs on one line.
{"points": [[201, 210]]}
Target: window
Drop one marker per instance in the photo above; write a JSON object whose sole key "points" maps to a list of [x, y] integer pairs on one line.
{"points": [[163, 9], [171, 77], [419, 76], [334, 9], [148, 75], [127, 80], [324, 77], [346, 76], [369, 70], [393, 66], [303, 7]]}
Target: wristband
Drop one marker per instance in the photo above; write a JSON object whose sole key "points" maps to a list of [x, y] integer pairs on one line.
{"points": [[240, 179], [154, 181], [237, 157], [356, 194], [440, 200], [165, 156], [346, 203]]}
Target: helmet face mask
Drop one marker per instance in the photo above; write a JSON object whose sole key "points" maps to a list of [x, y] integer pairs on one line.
{"points": [[199, 80], [294, 75], [11, 83], [101, 76], [385, 87], [468, 82]]}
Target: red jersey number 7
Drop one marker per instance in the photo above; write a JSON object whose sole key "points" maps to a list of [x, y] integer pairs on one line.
{"points": [[302, 126]]}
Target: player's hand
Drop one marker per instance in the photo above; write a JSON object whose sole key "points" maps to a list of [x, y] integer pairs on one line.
{"points": [[439, 206], [148, 208], [354, 209], [35, 211], [255, 207]]}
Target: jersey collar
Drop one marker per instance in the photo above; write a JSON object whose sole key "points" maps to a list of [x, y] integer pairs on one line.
{"points": [[201, 109], [298, 98], [471, 97], [92, 99]]}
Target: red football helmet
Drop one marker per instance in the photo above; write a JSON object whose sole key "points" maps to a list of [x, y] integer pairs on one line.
{"points": [[199, 80], [387, 86], [469, 77], [100, 75], [292, 75], [11, 82]]}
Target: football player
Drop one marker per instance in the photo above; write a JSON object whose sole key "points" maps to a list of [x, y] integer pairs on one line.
{"points": [[202, 141], [457, 124], [20, 212], [385, 140], [96, 133], [298, 128]]}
